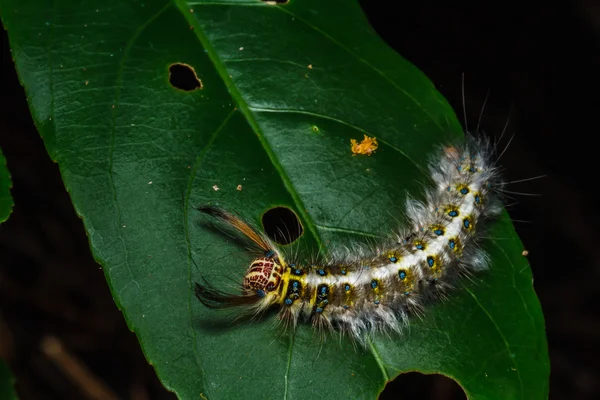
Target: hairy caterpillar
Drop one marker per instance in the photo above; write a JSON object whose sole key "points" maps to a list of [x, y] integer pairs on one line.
{"points": [[361, 294]]}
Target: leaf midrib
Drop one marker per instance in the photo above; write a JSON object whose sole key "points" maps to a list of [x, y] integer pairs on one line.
{"points": [[244, 108], [248, 114]]}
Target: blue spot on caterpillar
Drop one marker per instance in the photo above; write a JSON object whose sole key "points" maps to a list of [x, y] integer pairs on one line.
{"points": [[269, 253], [320, 294]]}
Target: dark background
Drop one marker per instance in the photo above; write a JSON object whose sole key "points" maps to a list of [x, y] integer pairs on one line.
{"points": [[541, 68]]}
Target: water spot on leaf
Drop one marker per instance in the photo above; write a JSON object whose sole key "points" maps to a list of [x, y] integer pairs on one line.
{"points": [[414, 385], [282, 225], [182, 76]]}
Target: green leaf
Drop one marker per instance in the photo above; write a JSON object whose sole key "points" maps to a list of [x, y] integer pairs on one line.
{"points": [[7, 390], [6, 201], [283, 90], [6, 204]]}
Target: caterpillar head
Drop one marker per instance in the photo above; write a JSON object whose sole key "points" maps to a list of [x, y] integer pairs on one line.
{"points": [[263, 276], [261, 286], [262, 281]]}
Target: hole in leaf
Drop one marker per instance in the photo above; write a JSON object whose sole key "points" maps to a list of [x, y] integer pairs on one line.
{"points": [[282, 225], [414, 385], [183, 76], [275, 1]]}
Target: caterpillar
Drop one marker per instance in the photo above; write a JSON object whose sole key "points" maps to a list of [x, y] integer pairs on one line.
{"points": [[365, 292]]}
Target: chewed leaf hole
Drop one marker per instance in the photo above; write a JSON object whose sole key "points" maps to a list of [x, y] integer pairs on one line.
{"points": [[183, 76], [282, 225], [414, 385]]}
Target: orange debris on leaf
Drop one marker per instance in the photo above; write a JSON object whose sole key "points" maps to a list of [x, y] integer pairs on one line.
{"points": [[367, 146]]}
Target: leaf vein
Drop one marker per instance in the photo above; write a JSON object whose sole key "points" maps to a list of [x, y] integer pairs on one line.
{"points": [[186, 227], [343, 122], [378, 360], [362, 60], [501, 336], [247, 112], [346, 230]]}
